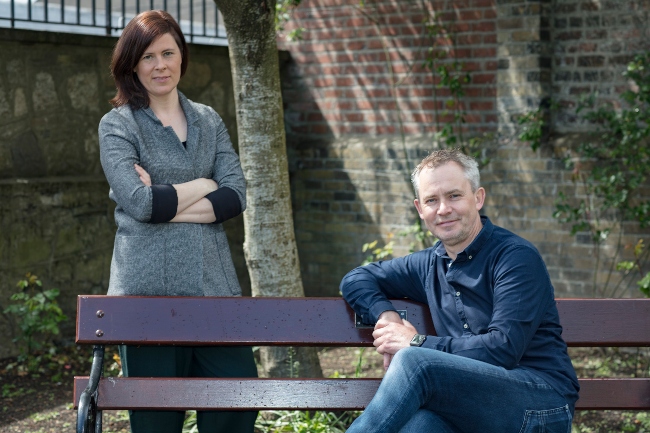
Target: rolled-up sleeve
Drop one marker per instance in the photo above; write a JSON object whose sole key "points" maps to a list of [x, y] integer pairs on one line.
{"points": [[228, 174], [164, 203], [118, 155], [368, 288]]}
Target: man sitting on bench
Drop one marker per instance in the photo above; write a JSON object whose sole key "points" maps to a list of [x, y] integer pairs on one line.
{"points": [[498, 363]]}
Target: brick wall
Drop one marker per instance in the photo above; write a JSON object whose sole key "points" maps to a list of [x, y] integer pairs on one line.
{"points": [[524, 59], [350, 165], [593, 42], [361, 69], [359, 73]]}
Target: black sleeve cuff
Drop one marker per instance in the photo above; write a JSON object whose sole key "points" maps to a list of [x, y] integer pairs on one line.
{"points": [[225, 203], [164, 203]]}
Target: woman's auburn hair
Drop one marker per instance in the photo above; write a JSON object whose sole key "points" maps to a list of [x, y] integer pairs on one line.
{"points": [[138, 34]]}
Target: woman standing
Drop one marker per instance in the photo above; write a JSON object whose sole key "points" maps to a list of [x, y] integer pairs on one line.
{"points": [[175, 178]]}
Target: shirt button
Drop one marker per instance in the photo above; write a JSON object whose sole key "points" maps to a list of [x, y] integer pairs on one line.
{"points": [[470, 257], [457, 293], [465, 326]]}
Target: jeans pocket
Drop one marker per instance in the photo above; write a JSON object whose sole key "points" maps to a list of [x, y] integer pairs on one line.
{"points": [[556, 420]]}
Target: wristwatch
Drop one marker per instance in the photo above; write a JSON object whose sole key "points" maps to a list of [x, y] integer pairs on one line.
{"points": [[418, 339]]}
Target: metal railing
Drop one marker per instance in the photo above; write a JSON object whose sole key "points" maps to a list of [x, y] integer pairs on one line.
{"points": [[200, 20]]}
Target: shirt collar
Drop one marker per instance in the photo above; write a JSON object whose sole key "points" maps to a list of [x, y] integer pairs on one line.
{"points": [[472, 249]]}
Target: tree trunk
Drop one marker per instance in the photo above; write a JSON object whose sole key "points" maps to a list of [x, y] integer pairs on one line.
{"points": [[270, 245]]}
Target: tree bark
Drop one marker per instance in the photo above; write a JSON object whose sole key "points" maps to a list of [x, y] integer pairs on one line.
{"points": [[270, 245]]}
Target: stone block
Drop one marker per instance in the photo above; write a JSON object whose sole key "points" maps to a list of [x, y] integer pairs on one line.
{"points": [[510, 23], [560, 23], [525, 35]]}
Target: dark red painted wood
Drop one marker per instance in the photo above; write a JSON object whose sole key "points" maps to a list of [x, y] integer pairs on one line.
{"points": [[309, 394], [605, 322], [315, 321], [619, 393], [237, 394], [224, 321]]}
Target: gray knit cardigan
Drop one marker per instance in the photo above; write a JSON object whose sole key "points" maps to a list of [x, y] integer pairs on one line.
{"points": [[167, 259]]}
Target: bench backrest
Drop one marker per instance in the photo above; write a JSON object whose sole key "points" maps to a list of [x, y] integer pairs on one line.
{"points": [[105, 320], [314, 321]]}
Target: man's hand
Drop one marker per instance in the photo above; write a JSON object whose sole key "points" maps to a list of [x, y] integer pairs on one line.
{"points": [[392, 334]]}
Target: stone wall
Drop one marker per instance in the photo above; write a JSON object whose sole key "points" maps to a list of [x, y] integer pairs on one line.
{"points": [[55, 216]]}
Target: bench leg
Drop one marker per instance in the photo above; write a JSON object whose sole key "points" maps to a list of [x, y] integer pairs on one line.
{"points": [[98, 421], [89, 419]]}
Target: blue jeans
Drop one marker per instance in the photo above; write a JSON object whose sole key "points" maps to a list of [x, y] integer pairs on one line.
{"points": [[426, 390]]}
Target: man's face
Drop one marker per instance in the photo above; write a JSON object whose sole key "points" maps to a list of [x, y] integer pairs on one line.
{"points": [[448, 206]]}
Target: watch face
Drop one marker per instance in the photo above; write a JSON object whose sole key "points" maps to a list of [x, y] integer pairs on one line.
{"points": [[418, 340]]}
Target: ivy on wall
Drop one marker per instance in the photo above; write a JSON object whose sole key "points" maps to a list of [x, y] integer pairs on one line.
{"points": [[610, 167]]}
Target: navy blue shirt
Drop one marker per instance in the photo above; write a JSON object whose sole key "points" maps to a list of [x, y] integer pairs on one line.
{"points": [[494, 303]]}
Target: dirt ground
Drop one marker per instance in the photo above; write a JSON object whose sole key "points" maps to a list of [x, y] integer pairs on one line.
{"points": [[42, 403]]}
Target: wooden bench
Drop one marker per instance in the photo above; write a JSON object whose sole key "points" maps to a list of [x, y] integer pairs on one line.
{"points": [[103, 320]]}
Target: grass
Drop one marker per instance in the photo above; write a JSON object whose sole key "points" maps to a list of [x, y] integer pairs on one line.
{"points": [[291, 422]]}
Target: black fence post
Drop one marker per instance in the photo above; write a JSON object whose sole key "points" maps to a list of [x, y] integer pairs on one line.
{"points": [[108, 17]]}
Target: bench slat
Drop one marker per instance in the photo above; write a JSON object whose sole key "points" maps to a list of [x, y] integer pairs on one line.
{"points": [[619, 393], [314, 321], [228, 321], [605, 322], [308, 394], [232, 394]]}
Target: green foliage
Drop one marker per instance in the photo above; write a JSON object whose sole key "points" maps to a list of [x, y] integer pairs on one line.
{"points": [[301, 421], [304, 422], [609, 168], [632, 422], [644, 284], [358, 368], [635, 267], [190, 425], [533, 125], [421, 238], [377, 253], [38, 316], [283, 12]]}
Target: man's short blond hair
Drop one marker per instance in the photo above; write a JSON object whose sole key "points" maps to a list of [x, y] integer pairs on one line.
{"points": [[441, 157]]}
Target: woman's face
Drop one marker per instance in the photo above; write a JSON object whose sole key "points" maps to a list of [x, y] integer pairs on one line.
{"points": [[159, 68]]}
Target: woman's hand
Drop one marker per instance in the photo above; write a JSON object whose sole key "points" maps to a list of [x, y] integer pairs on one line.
{"points": [[208, 185], [192, 207], [144, 176]]}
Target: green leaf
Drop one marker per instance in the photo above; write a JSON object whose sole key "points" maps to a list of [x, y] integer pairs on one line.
{"points": [[644, 284]]}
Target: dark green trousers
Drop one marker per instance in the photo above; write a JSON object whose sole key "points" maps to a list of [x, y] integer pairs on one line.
{"points": [[174, 361]]}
